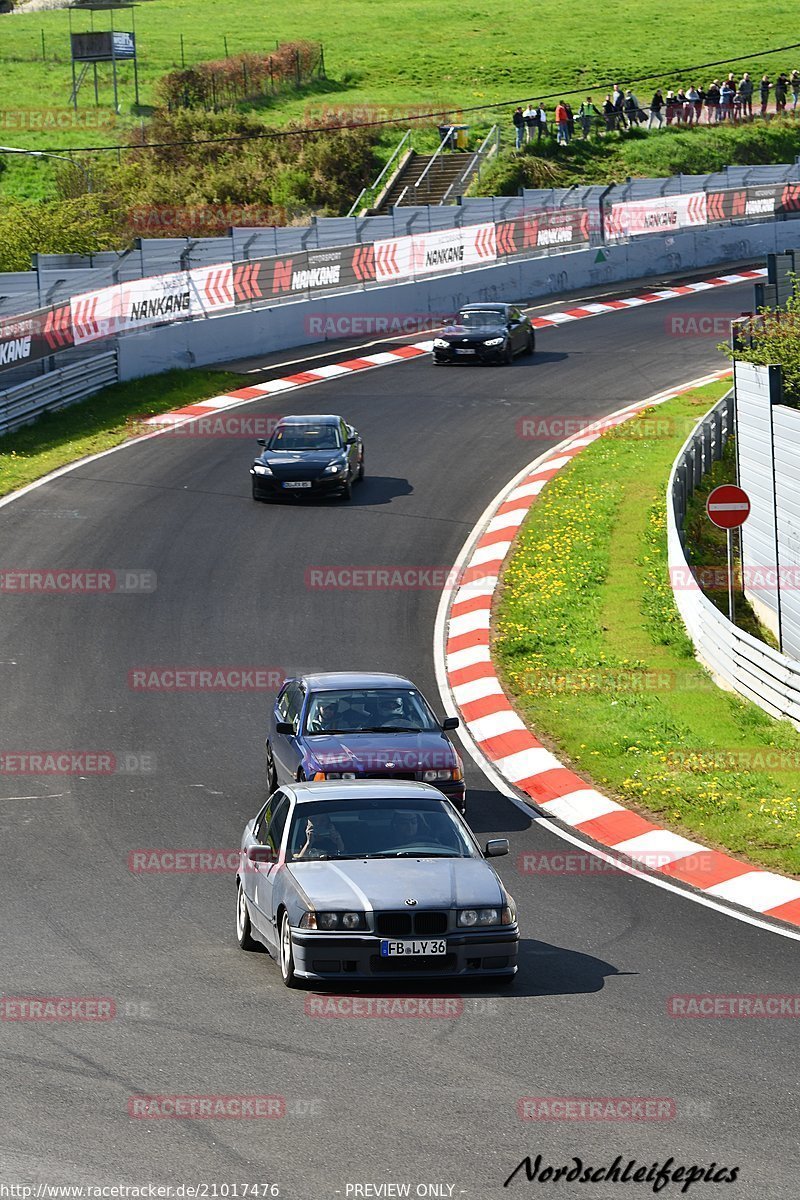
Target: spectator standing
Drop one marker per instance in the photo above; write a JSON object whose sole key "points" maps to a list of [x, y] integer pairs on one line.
{"points": [[619, 104], [727, 92], [609, 113], [746, 93], [570, 122], [712, 102], [656, 105], [562, 124], [691, 110], [519, 127], [630, 109], [681, 106], [794, 84], [587, 113], [541, 125], [737, 107], [781, 91], [670, 106], [765, 88], [698, 105], [530, 120]]}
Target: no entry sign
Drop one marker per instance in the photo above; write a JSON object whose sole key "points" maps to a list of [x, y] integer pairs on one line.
{"points": [[728, 506]]}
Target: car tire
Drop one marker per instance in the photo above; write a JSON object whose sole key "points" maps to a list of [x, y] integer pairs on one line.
{"points": [[508, 355], [255, 496], [286, 954], [272, 772], [243, 928], [360, 474], [531, 345], [347, 490]]}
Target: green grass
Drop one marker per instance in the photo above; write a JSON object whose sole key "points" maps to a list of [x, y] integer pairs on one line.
{"points": [[411, 53], [102, 421], [591, 646]]}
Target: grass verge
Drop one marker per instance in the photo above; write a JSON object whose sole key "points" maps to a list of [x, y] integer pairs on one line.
{"points": [[591, 648], [102, 421]]}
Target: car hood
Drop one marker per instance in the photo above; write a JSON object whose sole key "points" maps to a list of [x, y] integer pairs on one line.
{"points": [[385, 883], [290, 458], [364, 752]]}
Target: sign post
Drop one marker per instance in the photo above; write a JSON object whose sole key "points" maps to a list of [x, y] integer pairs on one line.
{"points": [[728, 507]]}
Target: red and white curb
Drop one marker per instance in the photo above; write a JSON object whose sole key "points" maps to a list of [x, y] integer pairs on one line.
{"points": [[516, 755], [290, 383]]}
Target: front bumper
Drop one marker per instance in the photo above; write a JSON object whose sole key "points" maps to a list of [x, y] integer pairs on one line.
{"points": [[481, 354], [320, 956], [270, 486]]}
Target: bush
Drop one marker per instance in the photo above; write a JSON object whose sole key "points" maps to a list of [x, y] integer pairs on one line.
{"points": [[80, 226], [224, 82]]}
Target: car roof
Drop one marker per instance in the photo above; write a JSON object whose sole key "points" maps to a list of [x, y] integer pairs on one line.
{"points": [[311, 419], [354, 679], [383, 789], [483, 307]]}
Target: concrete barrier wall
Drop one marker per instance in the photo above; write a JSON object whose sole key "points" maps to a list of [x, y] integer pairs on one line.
{"points": [[266, 330]]}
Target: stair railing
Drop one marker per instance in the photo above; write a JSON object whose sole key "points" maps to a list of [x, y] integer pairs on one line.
{"points": [[373, 190]]}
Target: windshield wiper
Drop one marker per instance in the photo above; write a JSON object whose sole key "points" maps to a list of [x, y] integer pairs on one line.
{"points": [[391, 729]]}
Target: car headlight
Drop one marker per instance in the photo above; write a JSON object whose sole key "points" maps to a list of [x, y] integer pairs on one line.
{"points": [[440, 344], [327, 921], [432, 776], [494, 341], [260, 469], [472, 917], [334, 468]]}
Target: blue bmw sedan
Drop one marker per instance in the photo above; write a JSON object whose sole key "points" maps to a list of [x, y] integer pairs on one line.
{"points": [[360, 726], [376, 879]]}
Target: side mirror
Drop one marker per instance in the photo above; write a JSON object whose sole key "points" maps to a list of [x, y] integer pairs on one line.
{"points": [[351, 441], [450, 723], [261, 854], [495, 847], [285, 727], [261, 441]]}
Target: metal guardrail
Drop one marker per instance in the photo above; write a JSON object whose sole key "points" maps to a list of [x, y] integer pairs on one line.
{"points": [[749, 666], [22, 404]]}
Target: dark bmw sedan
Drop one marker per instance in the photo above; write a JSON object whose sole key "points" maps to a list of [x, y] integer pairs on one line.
{"points": [[489, 333], [372, 880], [309, 456], [360, 726]]}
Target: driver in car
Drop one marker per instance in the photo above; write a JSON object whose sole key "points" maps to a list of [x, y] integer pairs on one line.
{"points": [[323, 839], [407, 829], [390, 711]]}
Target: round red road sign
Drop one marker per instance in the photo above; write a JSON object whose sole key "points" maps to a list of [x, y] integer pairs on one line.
{"points": [[728, 506]]}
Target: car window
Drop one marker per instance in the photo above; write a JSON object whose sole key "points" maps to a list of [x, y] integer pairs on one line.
{"points": [[280, 811], [370, 710], [475, 318], [295, 705], [284, 700], [305, 437], [377, 828], [262, 820]]}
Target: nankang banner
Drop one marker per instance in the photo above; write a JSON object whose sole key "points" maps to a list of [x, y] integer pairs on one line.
{"points": [[303, 272], [156, 300], [661, 214], [24, 339]]}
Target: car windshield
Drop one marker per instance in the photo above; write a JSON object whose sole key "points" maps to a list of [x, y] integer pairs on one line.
{"points": [[305, 437], [378, 828], [369, 710], [480, 318]]}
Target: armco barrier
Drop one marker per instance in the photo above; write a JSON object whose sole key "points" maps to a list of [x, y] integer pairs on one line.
{"points": [[22, 404], [734, 657]]}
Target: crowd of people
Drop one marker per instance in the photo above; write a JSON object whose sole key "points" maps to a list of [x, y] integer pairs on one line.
{"points": [[731, 100]]}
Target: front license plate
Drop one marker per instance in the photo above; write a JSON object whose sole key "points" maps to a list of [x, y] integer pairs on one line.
{"points": [[299, 483], [412, 949], [465, 351]]}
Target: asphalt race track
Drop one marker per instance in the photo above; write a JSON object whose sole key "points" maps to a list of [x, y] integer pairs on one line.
{"points": [[402, 1100]]}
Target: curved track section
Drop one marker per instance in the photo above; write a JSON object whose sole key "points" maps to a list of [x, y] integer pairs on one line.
{"points": [[367, 1100]]}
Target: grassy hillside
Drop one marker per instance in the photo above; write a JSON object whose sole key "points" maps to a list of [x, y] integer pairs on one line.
{"points": [[417, 52]]}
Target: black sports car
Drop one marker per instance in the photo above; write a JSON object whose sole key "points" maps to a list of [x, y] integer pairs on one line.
{"points": [[485, 333], [313, 455]]}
